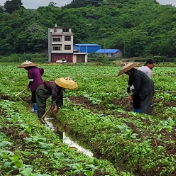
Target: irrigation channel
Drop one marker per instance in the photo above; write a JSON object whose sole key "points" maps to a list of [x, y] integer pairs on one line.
{"points": [[54, 125]]}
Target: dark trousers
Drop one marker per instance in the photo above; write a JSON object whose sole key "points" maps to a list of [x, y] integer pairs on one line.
{"points": [[42, 95], [146, 103], [136, 101], [33, 99]]}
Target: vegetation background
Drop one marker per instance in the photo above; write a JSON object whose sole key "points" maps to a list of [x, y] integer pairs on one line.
{"points": [[139, 28]]}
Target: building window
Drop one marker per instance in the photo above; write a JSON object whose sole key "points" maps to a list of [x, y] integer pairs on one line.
{"points": [[67, 47], [67, 38], [65, 30], [56, 39], [55, 30], [56, 48]]}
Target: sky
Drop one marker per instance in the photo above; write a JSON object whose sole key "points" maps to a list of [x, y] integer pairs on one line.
{"points": [[34, 4]]}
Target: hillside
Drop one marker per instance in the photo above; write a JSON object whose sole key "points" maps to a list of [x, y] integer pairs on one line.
{"points": [[138, 27]]}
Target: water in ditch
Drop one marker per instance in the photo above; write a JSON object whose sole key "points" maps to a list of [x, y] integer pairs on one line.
{"points": [[54, 125]]}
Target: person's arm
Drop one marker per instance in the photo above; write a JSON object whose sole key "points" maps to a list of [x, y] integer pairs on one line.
{"points": [[55, 90], [41, 71], [129, 85], [31, 78]]}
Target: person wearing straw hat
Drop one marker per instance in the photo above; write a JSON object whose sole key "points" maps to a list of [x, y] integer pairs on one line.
{"points": [[143, 87], [55, 90], [147, 69], [35, 79]]}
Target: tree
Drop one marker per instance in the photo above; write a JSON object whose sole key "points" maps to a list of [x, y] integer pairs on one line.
{"points": [[1, 9], [11, 6]]}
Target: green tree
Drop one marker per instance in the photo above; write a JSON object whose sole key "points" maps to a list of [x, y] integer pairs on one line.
{"points": [[11, 6]]}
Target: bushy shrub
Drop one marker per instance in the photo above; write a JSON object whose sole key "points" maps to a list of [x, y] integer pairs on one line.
{"points": [[99, 58], [43, 58], [159, 59]]}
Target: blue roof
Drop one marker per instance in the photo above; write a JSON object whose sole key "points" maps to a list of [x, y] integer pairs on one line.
{"points": [[87, 44], [107, 51]]}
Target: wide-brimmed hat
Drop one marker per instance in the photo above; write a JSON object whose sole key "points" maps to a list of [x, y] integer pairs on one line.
{"points": [[127, 66], [26, 64], [66, 83]]}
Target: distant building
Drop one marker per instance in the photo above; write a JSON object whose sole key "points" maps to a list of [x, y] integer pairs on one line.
{"points": [[110, 52], [86, 48], [60, 46]]}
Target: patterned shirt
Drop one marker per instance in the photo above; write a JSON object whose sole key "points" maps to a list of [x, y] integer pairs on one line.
{"points": [[35, 77], [54, 90]]}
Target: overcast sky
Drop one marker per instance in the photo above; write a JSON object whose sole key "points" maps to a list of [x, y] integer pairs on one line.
{"points": [[34, 4]]}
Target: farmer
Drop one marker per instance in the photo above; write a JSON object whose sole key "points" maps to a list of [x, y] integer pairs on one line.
{"points": [[147, 69], [55, 90], [35, 79], [143, 87]]}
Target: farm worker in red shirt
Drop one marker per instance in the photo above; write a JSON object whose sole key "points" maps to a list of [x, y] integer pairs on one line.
{"points": [[55, 90], [35, 79]]}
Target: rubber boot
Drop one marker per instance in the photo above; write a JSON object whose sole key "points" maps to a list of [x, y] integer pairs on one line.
{"points": [[35, 108], [137, 110]]}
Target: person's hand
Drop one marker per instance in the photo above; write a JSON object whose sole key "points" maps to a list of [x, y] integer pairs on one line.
{"points": [[54, 109], [130, 98]]}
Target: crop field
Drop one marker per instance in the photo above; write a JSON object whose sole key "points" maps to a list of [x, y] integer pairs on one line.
{"points": [[98, 114]]}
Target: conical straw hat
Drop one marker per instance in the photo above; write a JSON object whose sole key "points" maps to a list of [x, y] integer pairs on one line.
{"points": [[127, 66], [66, 83], [26, 64]]}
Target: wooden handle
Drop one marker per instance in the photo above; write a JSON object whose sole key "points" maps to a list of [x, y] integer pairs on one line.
{"points": [[42, 118], [21, 92], [161, 91]]}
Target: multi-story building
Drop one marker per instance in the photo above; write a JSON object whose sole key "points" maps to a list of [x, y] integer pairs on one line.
{"points": [[60, 46]]}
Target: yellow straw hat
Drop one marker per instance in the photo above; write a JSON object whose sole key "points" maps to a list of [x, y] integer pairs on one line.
{"points": [[66, 83], [127, 66], [26, 64]]}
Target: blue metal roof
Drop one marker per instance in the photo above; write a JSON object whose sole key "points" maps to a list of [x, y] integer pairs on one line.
{"points": [[87, 44], [107, 51]]}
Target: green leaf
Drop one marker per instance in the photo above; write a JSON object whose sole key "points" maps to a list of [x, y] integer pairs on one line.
{"points": [[29, 129], [5, 143], [15, 118], [58, 155], [38, 139], [45, 146], [16, 157], [26, 172], [7, 165], [19, 163], [2, 135], [89, 173], [4, 155]]}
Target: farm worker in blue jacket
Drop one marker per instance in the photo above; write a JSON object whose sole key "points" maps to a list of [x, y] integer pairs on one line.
{"points": [[143, 86]]}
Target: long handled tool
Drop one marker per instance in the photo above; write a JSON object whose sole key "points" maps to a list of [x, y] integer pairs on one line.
{"points": [[161, 91], [21, 92], [42, 118]]}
